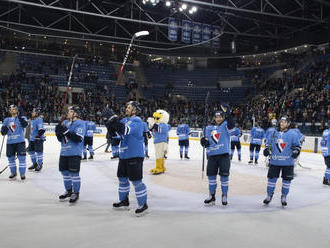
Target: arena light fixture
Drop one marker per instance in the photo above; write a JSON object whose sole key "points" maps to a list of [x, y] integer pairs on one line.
{"points": [[168, 3], [141, 33], [184, 6], [194, 9]]}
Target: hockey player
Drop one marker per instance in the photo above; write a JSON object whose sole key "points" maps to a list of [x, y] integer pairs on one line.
{"points": [[282, 149], [270, 131], [13, 127], [325, 149], [257, 135], [183, 132], [131, 155], [235, 135], [158, 126], [88, 139], [147, 136], [216, 142], [71, 135], [36, 140]]}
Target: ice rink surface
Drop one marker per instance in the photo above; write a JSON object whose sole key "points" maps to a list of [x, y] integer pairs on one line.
{"points": [[32, 216]]}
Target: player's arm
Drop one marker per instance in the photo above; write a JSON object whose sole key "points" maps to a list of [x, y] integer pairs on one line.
{"points": [[41, 129], [296, 146], [23, 121]]}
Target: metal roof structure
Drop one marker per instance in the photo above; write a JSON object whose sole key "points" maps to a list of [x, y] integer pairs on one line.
{"points": [[255, 25]]}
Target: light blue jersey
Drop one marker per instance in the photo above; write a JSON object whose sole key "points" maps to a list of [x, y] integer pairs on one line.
{"points": [[269, 134], [69, 147], [37, 125], [183, 131], [161, 134], [90, 128], [282, 146], [219, 139], [145, 127], [132, 142], [235, 134], [257, 135], [300, 135], [16, 130], [325, 143]]}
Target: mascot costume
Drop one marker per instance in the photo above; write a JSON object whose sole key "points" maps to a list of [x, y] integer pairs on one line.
{"points": [[159, 128]]}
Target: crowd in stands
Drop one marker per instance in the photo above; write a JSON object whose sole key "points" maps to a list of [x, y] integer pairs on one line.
{"points": [[304, 96]]}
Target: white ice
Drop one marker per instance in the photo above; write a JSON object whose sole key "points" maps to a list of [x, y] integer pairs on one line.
{"points": [[32, 216]]}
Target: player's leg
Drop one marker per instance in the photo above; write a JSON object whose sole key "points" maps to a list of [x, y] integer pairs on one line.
{"points": [[124, 187], [212, 172], [287, 177], [224, 165], [74, 169], [273, 174]]}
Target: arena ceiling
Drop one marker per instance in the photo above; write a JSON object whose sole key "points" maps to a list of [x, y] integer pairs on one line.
{"points": [[255, 25]]}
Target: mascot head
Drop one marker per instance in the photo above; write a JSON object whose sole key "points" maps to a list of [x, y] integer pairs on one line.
{"points": [[160, 116]]}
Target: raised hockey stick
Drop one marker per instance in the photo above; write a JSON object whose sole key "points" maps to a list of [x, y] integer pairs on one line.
{"points": [[68, 88], [136, 35], [204, 130]]}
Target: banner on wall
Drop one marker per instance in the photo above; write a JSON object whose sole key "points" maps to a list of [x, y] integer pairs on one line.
{"points": [[197, 32], [206, 34], [173, 29], [186, 31]]}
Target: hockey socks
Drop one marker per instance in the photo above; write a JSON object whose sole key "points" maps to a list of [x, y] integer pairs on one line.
{"points": [[212, 184], [271, 186], [140, 192], [76, 182], [327, 173], [224, 184], [22, 165], [12, 165], [285, 187], [123, 189], [186, 150], [67, 180], [91, 151], [33, 157], [40, 156]]}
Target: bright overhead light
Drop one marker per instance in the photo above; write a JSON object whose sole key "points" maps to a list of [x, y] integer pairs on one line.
{"points": [[190, 11], [180, 9], [305, 46], [184, 6], [285, 50], [194, 8], [295, 48], [168, 3]]}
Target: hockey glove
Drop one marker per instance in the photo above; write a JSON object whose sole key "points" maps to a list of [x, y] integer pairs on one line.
{"points": [[155, 127], [204, 142], [266, 151], [23, 121], [59, 132], [40, 133], [295, 153], [4, 130]]}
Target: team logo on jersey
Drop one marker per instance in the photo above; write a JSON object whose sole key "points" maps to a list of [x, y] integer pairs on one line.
{"points": [[12, 126], [215, 136], [280, 144]]}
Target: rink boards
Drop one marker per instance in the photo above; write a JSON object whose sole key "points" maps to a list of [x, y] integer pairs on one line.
{"points": [[311, 144]]}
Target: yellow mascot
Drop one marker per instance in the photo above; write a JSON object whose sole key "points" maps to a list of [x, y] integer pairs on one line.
{"points": [[158, 126]]}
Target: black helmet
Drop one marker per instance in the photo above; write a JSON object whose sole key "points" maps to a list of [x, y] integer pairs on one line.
{"points": [[76, 110], [135, 105], [219, 112], [37, 111], [12, 106], [285, 118]]}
